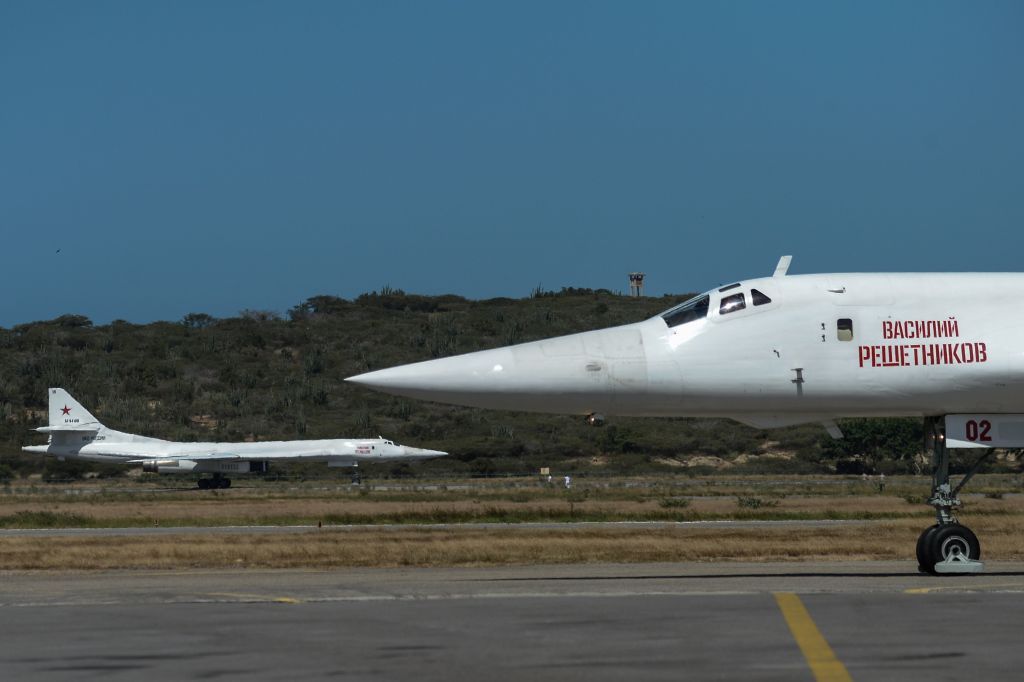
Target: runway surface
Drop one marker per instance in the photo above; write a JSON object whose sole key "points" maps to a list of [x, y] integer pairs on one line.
{"points": [[799, 621]]}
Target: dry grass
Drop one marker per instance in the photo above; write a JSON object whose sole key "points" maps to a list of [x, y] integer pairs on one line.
{"points": [[891, 535], [468, 546], [243, 508]]}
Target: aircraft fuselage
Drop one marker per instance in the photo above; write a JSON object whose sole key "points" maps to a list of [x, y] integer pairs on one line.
{"points": [[769, 352], [115, 447]]}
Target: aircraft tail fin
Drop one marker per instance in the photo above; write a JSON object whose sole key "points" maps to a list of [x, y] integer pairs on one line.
{"points": [[67, 414]]}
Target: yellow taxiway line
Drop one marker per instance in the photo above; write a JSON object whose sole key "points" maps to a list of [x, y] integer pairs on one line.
{"points": [[820, 657]]}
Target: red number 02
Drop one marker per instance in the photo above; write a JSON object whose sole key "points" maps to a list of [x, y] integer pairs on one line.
{"points": [[979, 430]]}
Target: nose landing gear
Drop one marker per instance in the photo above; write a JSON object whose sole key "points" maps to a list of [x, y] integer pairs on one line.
{"points": [[947, 547]]}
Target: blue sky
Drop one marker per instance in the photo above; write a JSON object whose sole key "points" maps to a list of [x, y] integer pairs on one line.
{"points": [[214, 156]]}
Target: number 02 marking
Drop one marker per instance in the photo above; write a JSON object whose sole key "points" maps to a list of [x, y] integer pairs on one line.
{"points": [[979, 431]]}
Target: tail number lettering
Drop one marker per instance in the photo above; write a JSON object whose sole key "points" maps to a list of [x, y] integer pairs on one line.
{"points": [[978, 431]]}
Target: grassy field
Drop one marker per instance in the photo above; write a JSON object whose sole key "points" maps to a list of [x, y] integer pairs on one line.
{"points": [[1002, 538], [516, 501], [895, 516]]}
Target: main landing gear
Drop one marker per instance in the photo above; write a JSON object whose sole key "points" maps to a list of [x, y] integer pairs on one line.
{"points": [[217, 481], [946, 547]]}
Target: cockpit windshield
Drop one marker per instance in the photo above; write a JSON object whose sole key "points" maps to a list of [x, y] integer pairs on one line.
{"points": [[694, 309]]}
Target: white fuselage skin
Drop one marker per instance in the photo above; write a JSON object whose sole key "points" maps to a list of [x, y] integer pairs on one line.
{"points": [[920, 345], [112, 446]]}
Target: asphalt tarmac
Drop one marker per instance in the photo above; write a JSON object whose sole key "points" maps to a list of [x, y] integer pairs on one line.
{"points": [[694, 621]]}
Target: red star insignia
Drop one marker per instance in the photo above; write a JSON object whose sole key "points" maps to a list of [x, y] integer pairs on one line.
{"points": [[66, 409]]}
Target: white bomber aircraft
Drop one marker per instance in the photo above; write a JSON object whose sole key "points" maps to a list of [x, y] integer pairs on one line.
{"points": [[76, 434], [784, 350]]}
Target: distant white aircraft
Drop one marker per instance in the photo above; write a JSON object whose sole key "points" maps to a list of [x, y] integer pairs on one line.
{"points": [[77, 434], [784, 350]]}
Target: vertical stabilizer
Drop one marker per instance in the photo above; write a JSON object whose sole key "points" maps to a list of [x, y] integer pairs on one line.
{"points": [[68, 413]]}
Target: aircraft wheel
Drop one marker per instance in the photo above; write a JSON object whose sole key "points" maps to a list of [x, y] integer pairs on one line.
{"points": [[203, 483], [950, 541], [225, 483], [923, 541]]}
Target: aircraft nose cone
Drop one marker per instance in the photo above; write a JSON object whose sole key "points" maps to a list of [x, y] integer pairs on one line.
{"points": [[424, 453], [445, 377], [576, 374]]}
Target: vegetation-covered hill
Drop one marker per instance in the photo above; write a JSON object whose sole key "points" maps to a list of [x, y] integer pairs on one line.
{"points": [[265, 376]]}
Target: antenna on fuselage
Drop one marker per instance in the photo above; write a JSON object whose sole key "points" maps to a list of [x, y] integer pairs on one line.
{"points": [[783, 267]]}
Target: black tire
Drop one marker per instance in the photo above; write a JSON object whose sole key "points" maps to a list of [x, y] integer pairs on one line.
{"points": [[949, 540], [922, 547], [225, 483], [203, 483]]}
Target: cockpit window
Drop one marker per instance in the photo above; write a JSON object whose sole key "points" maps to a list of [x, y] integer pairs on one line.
{"points": [[731, 304], [758, 298], [694, 309], [726, 288]]}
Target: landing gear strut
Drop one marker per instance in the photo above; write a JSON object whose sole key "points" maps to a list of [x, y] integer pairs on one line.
{"points": [[947, 546], [356, 478], [217, 481]]}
